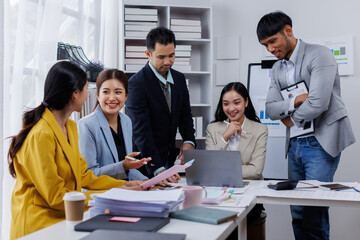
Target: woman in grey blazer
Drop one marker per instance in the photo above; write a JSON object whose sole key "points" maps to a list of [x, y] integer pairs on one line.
{"points": [[105, 135]]}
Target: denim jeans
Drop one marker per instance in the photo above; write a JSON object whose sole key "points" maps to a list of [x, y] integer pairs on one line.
{"points": [[308, 161]]}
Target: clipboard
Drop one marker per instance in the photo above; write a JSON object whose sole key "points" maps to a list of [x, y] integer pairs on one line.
{"points": [[291, 92]]}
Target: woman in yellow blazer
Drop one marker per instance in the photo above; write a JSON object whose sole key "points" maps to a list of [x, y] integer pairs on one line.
{"points": [[45, 157]]}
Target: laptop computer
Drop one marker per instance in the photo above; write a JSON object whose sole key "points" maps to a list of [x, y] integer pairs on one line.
{"points": [[214, 168]]}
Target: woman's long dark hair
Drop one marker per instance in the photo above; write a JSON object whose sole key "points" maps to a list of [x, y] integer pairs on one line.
{"points": [[63, 79], [108, 74], [240, 89]]}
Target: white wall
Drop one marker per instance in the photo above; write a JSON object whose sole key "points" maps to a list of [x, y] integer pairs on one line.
{"points": [[311, 19]]}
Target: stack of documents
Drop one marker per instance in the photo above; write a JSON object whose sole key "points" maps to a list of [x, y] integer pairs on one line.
{"points": [[136, 203], [139, 21], [186, 28], [182, 60], [135, 57]]}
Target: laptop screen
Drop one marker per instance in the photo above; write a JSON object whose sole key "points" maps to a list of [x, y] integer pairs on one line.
{"points": [[214, 168]]}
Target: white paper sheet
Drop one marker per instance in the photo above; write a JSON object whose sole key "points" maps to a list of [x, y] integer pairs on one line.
{"points": [[141, 196]]}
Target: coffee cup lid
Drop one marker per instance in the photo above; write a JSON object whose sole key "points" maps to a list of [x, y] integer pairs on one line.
{"points": [[74, 196]]}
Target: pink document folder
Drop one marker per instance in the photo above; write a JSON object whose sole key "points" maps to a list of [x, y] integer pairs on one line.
{"points": [[164, 175]]}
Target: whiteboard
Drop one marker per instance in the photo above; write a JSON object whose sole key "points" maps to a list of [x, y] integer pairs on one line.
{"points": [[276, 164]]}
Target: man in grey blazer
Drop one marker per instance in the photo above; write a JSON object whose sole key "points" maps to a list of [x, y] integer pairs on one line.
{"points": [[315, 155]]}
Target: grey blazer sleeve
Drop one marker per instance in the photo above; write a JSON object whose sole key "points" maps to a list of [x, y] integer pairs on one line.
{"points": [[323, 69], [276, 107], [88, 149], [135, 174]]}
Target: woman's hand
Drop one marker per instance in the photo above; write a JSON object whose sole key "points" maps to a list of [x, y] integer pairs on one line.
{"points": [[134, 164], [232, 129], [161, 185], [173, 179], [132, 185]]}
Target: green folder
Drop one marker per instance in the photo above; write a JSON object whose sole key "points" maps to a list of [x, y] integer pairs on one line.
{"points": [[205, 215]]}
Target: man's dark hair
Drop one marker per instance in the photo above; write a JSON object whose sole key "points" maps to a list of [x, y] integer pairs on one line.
{"points": [[272, 23], [160, 35]]}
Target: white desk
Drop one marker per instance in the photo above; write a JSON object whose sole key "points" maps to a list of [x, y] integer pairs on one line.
{"points": [[309, 197], [193, 230]]}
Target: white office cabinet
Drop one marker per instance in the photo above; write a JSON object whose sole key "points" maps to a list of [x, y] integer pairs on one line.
{"points": [[191, 21]]}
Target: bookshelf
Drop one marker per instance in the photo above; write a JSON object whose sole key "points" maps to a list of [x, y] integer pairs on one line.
{"points": [[191, 22]]}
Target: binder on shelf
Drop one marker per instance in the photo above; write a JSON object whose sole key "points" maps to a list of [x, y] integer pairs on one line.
{"points": [[141, 11], [138, 27], [130, 48], [182, 59], [180, 28], [150, 18], [187, 84], [183, 48], [135, 34], [145, 23], [136, 61], [135, 54], [180, 35], [185, 22], [133, 67], [182, 53], [199, 126]]}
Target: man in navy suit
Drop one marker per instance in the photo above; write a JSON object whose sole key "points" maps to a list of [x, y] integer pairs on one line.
{"points": [[158, 103]]}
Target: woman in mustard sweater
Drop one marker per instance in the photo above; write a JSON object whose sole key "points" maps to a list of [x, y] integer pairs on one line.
{"points": [[45, 159]]}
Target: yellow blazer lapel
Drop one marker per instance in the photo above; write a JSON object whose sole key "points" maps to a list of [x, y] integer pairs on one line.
{"points": [[246, 137], [69, 149], [73, 155]]}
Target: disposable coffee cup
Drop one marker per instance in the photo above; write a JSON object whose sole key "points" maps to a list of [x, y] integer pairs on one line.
{"points": [[74, 206]]}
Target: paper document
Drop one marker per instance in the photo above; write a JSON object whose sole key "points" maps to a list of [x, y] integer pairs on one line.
{"points": [[136, 203], [164, 175], [292, 92], [143, 196], [213, 196]]}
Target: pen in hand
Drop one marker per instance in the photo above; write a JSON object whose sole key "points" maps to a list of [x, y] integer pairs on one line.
{"points": [[242, 130], [134, 159]]}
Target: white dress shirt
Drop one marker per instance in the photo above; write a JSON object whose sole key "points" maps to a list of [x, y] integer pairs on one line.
{"points": [[233, 141]]}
